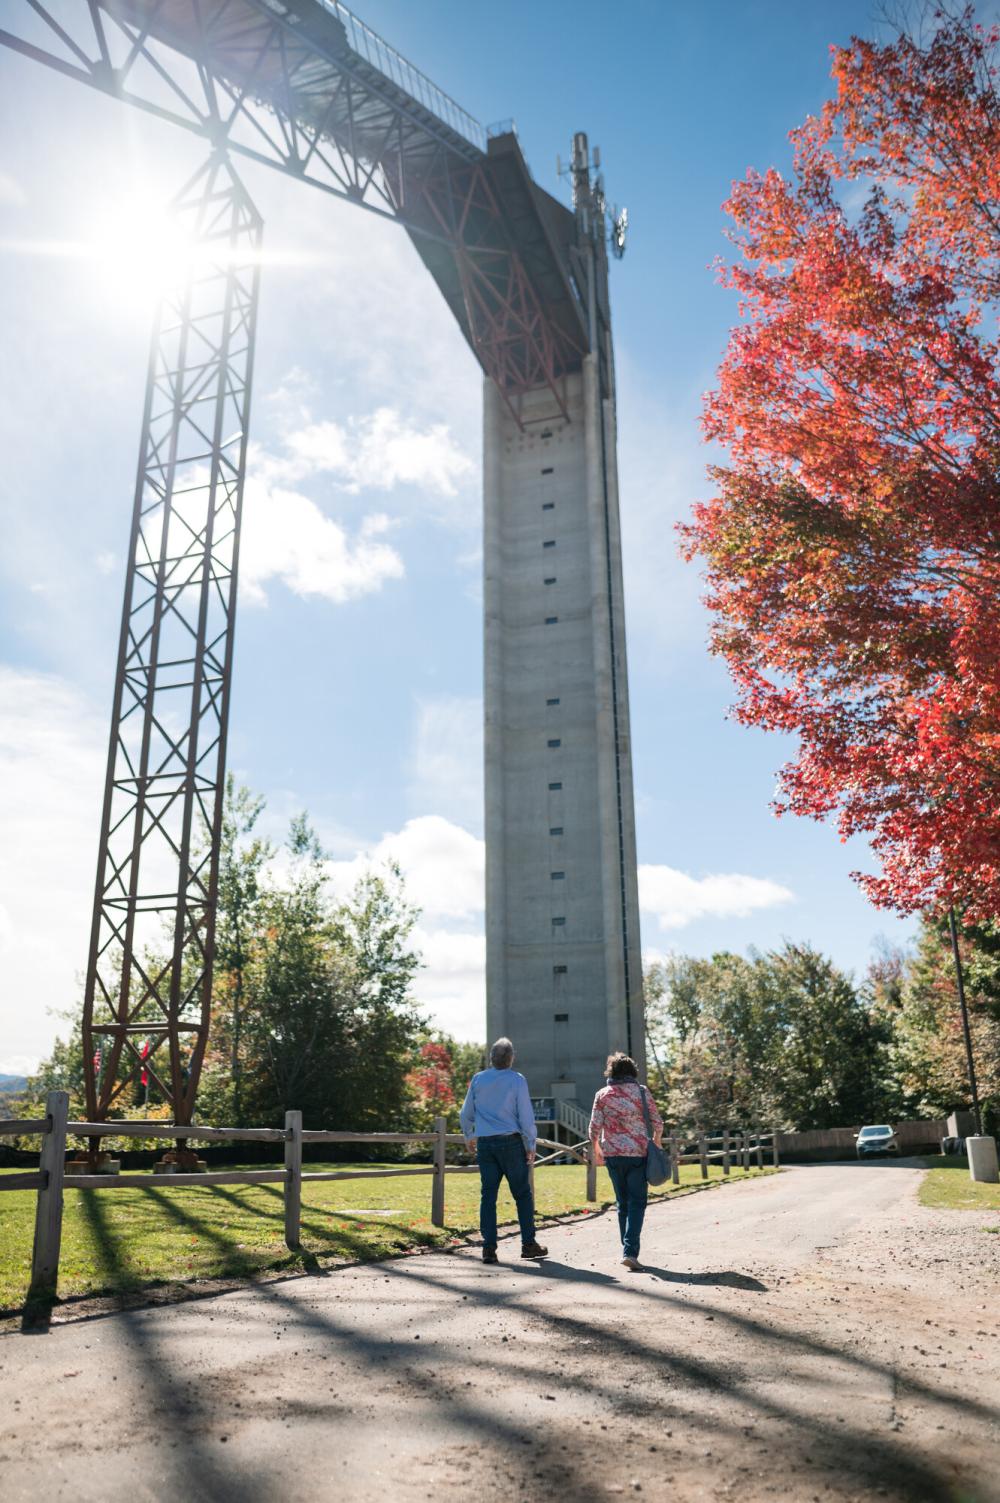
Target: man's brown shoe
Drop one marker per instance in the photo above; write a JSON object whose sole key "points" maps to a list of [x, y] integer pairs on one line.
{"points": [[490, 1255], [534, 1250]]}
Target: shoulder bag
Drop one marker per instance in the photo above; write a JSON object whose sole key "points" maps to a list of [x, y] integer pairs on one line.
{"points": [[657, 1162]]}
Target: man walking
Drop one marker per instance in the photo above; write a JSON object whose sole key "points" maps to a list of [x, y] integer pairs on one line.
{"points": [[499, 1127]]}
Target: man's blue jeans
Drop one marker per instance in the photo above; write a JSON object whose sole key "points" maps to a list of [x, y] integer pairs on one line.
{"points": [[628, 1175], [503, 1157]]}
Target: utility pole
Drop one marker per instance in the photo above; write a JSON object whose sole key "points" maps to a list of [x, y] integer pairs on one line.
{"points": [[963, 1009]]}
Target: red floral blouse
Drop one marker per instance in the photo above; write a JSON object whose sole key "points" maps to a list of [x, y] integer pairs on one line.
{"points": [[616, 1121]]}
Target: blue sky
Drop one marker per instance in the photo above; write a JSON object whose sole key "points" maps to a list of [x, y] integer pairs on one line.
{"points": [[358, 654]]}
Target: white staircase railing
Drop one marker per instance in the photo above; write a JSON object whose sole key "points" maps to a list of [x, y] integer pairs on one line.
{"points": [[569, 1115]]}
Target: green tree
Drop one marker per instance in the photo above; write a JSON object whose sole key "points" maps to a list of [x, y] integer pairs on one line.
{"points": [[927, 1052], [243, 858], [827, 1069], [782, 1038], [312, 1002], [373, 931]]}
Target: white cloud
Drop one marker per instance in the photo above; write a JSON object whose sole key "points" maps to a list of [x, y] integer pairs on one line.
{"points": [[452, 985], [376, 452], [443, 865], [446, 771], [675, 899], [106, 562], [52, 750], [12, 195], [19, 1064], [287, 537]]}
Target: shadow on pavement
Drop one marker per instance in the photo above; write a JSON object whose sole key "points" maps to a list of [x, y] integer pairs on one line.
{"points": [[815, 1438], [457, 1376], [722, 1280], [179, 1412]]}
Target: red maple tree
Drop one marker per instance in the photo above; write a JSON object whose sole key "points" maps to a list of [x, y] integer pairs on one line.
{"points": [[431, 1080], [853, 543]]}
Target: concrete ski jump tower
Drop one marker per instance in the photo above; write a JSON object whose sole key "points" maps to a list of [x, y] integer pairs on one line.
{"points": [[303, 87], [564, 973]]}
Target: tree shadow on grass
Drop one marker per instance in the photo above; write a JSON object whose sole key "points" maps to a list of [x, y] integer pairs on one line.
{"points": [[407, 1236]]}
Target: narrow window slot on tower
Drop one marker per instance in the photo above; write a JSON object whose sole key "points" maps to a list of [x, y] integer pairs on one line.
{"points": [[547, 470], [551, 579], [555, 830], [559, 970], [548, 506], [555, 742], [560, 1017], [557, 923], [551, 620], [549, 543], [554, 787], [558, 876], [553, 701]]}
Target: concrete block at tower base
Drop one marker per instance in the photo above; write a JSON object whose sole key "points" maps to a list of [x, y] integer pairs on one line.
{"points": [[983, 1165]]}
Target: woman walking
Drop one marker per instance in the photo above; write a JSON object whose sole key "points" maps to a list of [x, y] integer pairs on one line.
{"points": [[618, 1133]]}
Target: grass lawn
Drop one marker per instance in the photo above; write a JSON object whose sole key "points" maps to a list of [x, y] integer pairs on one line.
{"points": [[947, 1185], [124, 1240]]}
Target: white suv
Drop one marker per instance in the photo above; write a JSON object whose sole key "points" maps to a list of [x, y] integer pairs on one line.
{"points": [[872, 1140]]}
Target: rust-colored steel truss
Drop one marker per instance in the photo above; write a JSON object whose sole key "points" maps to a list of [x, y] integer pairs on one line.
{"points": [[516, 342]]}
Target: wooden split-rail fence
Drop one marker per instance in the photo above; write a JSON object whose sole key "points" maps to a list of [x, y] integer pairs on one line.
{"points": [[53, 1176]]}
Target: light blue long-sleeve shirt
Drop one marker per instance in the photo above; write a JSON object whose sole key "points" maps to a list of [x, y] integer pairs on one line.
{"points": [[498, 1101]]}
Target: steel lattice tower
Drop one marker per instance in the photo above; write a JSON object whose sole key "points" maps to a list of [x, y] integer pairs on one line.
{"points": [[304, 87], [157, 868]]}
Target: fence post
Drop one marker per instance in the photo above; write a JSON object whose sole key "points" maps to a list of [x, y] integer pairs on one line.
{"points": [[746, 1152], [591, 1172], [703, 1155], [293, 1179], [725, 1150], [49, 1205], [760, 1151], [675, 1165], [437, 1183], [774, 1146]]}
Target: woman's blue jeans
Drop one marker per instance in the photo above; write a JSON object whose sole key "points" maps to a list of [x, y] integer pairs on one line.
{"points": [[628, 1175]]}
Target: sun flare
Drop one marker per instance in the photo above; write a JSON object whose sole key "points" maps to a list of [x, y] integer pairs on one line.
{"points": [[141, 249]]}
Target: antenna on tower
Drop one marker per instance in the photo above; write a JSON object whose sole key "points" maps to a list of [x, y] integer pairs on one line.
{"points": [[619, 232], [589, 197]]}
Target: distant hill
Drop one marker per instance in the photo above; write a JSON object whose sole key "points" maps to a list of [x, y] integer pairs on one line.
{"points": [[11, 1085]]}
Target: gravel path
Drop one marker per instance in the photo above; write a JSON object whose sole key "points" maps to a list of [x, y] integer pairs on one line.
{"points": [[813, 1336]]}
